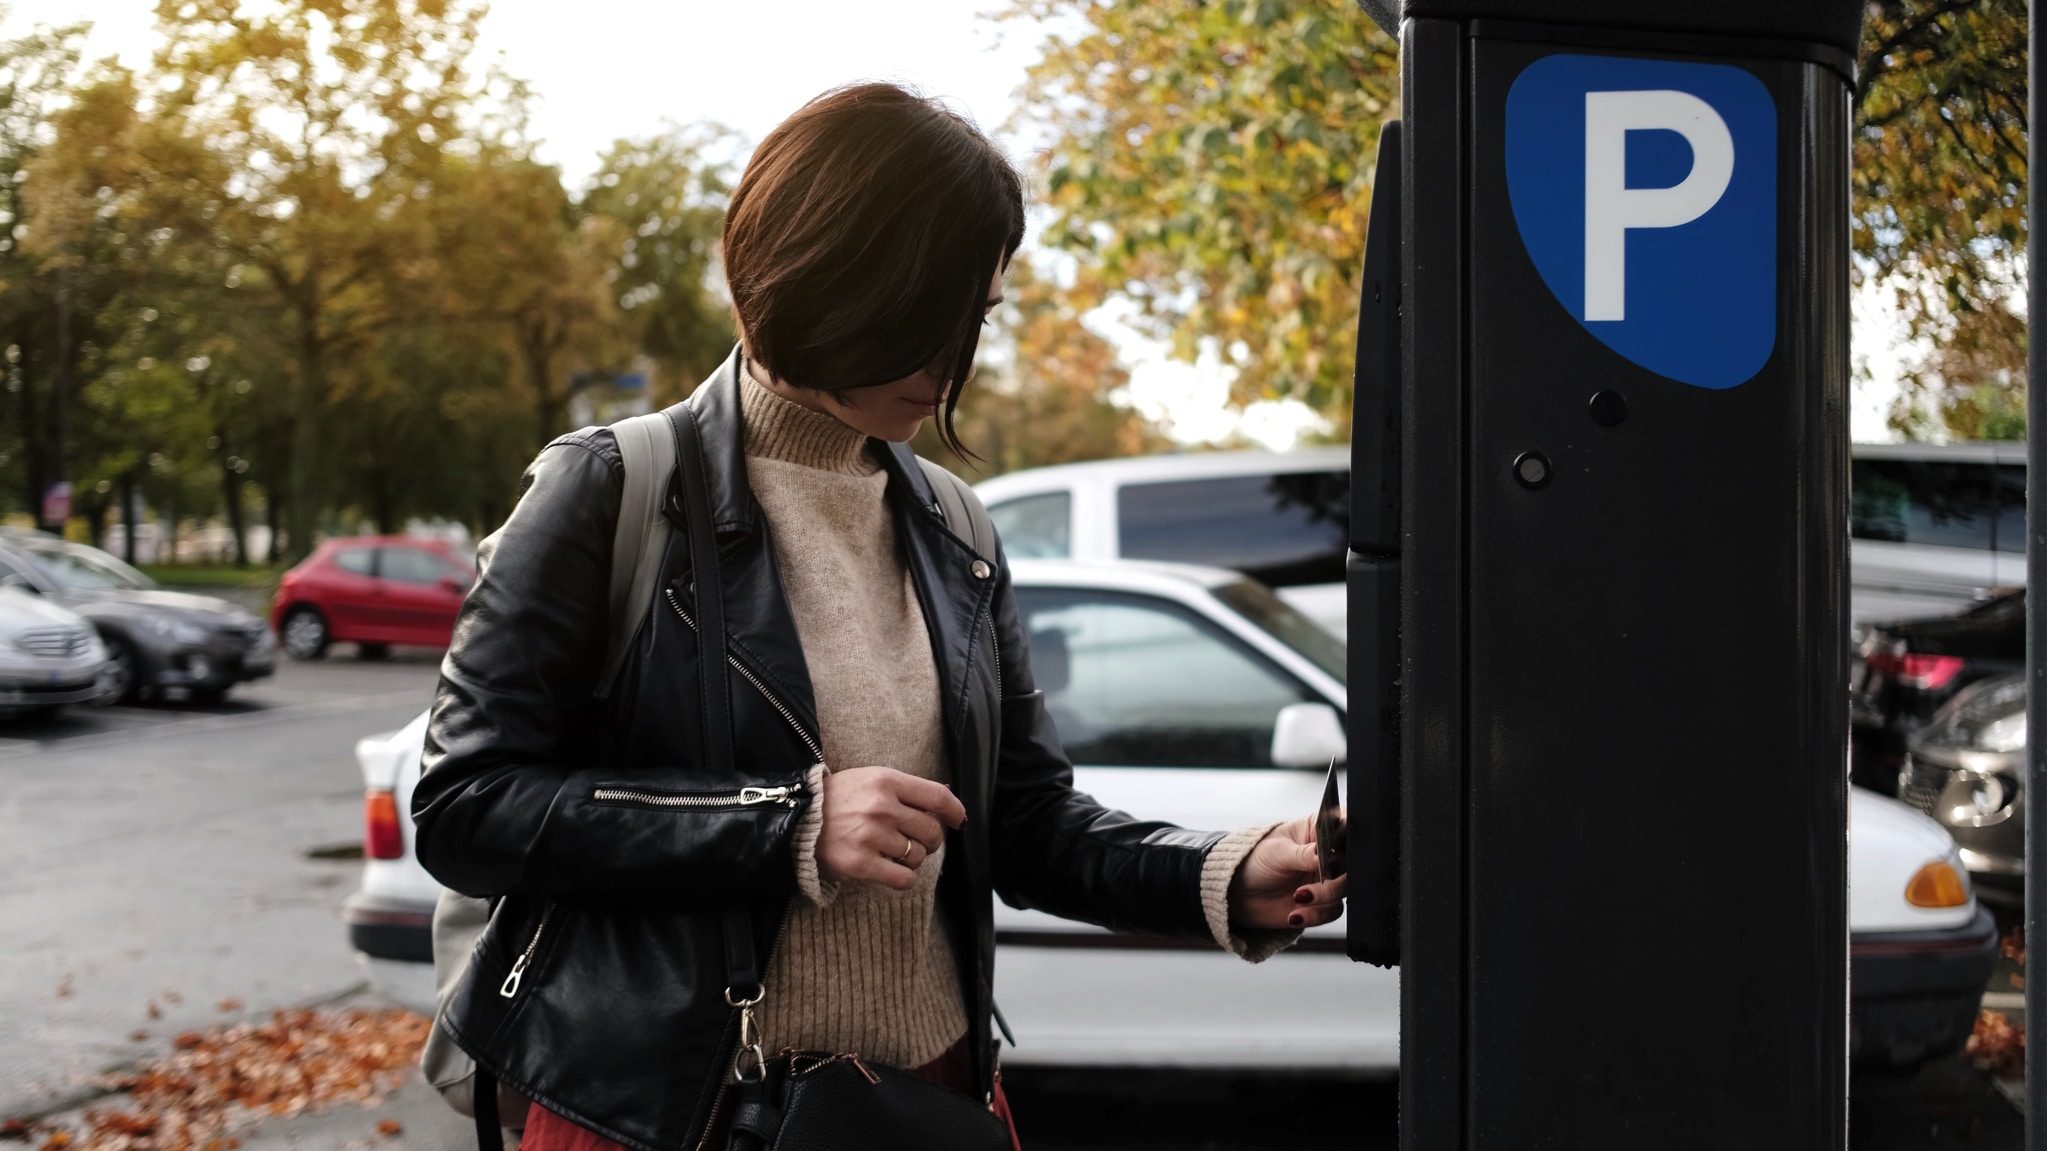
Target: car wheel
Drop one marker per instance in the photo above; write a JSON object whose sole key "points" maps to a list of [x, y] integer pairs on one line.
{"points": [[305, 633], [373, 651], [124, 675]]}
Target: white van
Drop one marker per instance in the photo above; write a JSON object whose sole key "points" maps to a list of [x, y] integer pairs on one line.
{"points": [[1280, 517], [1935, 527]]}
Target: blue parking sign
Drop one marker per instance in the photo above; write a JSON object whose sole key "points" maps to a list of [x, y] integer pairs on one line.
{"points": [[1646, 194]]}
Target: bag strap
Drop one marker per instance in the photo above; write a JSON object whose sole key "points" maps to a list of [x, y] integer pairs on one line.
{"points": [[963, 511], [647, 449]]}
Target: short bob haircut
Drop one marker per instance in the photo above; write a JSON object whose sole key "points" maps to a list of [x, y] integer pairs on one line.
{"points": [[860, 243]]}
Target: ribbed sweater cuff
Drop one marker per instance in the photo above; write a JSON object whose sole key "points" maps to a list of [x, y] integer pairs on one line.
{"points": [[1217, 872], [814, 886]]}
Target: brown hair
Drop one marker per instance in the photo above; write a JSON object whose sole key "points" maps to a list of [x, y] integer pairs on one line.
{"points": [[860, 242]]}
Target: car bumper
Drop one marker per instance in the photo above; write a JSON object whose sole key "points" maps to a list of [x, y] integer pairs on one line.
{"points": [[28, 695], [399, 930], [1916, 994], [211, 665]]}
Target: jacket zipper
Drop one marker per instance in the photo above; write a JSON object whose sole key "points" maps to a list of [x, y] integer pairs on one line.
{"points": [[511, 984], [744, 797], [995, 645], [816, 751]]}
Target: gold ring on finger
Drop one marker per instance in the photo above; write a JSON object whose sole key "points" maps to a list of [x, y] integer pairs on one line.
{"points": [[909, 845]]}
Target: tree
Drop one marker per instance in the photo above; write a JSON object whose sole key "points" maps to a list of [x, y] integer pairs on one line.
{"points": [[1212, 164], [1052, 399], [315, 122], [35, 73], [657, 211], [1939, 178]]}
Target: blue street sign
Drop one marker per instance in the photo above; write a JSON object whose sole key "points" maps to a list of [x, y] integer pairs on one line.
{"points": [[1646, 194]]}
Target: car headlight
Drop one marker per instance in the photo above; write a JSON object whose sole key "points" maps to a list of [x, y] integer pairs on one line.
{"points": [[175, 630], [1941, 883]]}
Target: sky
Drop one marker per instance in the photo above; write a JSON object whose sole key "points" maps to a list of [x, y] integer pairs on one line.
{"points": [[603, 69]]}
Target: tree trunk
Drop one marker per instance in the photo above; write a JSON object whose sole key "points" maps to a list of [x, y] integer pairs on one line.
{"points": [[60, 388], [231, 500], [273, 518], [128, 516], [307, 401]]}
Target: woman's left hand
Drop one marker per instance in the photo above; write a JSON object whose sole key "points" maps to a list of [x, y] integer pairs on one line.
{"points": [[1279, 884]]}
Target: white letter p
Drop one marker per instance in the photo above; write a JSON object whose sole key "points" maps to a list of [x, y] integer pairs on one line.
{"points": [[1611, 207]]}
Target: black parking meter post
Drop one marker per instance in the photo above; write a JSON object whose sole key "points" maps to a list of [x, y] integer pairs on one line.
{"points": [[1622, 659], [2036, 630]]}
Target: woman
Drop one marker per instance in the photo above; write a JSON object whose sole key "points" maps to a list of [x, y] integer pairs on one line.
{"points": [[892, 763]]}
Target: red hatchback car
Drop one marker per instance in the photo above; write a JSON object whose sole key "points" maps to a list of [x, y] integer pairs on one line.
{"points": [[372, 591]]}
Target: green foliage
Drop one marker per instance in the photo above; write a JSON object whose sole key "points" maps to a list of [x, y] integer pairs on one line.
{"points": [[1940, 193], [1212, 164], [314, 273]]}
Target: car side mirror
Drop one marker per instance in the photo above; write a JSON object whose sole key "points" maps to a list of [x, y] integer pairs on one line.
{"points": [[453, 586], [1308, 735]]}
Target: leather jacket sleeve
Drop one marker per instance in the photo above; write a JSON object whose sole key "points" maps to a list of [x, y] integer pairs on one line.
{"points": [[1058, 850], [504, 804]]}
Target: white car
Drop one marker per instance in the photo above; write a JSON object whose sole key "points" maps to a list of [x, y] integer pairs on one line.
{"points": [[1195, 695], [1279, 517], [49, 656]]}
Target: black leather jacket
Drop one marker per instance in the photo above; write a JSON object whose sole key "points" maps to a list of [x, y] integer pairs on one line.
{"points": [[598, 989]]}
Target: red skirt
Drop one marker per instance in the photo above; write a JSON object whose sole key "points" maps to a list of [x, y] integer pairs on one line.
{"points": [[546, 1131]]}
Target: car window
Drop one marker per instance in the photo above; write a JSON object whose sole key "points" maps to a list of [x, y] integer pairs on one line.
{"points": [[2010, 533], [1282, 530], [1922, 502], [1285, 623], [410, 565], [1035, 527], [87, 569], [357, 561], [1138, 682]]}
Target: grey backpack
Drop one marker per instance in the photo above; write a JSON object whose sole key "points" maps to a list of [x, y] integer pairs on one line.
{"points": [[646, 446]]}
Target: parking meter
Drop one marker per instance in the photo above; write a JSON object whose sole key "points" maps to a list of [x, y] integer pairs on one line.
{"points": [[1598, 574]]}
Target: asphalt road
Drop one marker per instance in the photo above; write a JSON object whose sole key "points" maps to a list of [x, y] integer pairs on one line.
{"points": [[178, 859]]}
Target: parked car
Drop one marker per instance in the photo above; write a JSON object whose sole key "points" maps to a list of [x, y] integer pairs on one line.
{"points": [[49, 657], [1196, 695], [155, 639], [1282, 518], [1905, 670], [372, 591], [1935, 527], [1967, 769]]}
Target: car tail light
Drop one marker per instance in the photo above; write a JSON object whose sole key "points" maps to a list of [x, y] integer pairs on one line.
{"points": [[1937, 885], [1912, 669], [381, 838]]}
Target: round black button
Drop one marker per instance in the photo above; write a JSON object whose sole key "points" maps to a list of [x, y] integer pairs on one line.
{"points": [[1609, 408], [1531, 470]]}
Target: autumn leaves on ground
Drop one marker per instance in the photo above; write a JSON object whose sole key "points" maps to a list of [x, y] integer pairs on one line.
{"points": [[212, 1084]]}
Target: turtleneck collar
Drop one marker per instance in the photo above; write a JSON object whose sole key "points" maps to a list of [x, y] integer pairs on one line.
{"points": [[778, 429]]}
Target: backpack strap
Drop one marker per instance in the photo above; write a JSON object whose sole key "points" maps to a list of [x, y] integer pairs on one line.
{"points": [[646, 445], [963, 511]]}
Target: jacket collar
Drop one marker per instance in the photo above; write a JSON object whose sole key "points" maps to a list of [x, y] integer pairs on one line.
{"points": [[716, 402]]}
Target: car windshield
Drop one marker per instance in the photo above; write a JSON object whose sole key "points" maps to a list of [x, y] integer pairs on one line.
{"points": [[83, 569], [1277, 618]]}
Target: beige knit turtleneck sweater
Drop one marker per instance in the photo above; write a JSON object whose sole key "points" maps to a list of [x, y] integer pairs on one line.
{"points": [[861, 967]]}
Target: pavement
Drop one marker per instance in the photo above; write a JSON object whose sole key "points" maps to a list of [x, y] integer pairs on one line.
{"points": [[169, 868]]}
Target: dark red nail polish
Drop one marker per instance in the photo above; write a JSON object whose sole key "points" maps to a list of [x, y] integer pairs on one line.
{"points": [[1304, 896], [1295, 920]]}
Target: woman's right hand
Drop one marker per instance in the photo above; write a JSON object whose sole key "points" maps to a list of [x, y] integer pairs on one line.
{"points": [[880, 824]]}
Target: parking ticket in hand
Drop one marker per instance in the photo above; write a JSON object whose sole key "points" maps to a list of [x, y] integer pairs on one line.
{"points": [[1329, 829]]}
